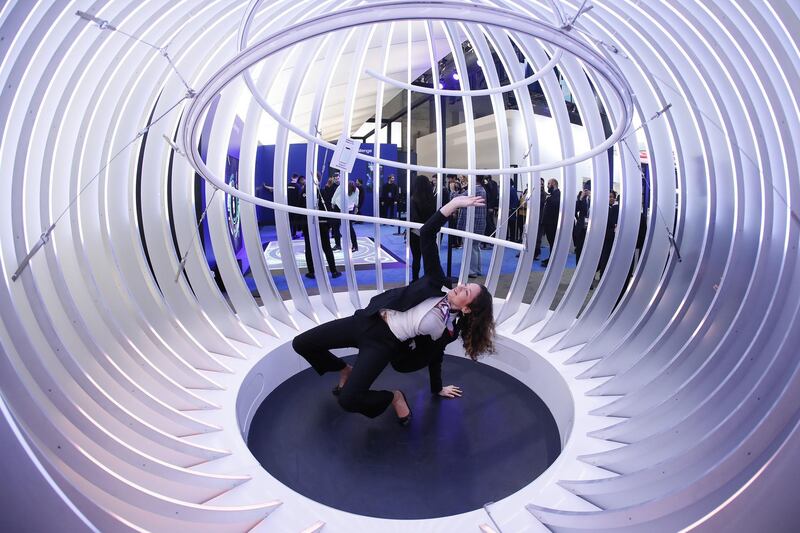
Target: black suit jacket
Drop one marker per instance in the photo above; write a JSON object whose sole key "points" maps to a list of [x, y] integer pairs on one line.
{"points": [[552, 206], [422, 350], [613, 218], [581, 210]]}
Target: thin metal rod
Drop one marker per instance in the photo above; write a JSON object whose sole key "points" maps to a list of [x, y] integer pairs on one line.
{"points": [[45, 237], [608, 46], [106, 25], [522, 201], [670, 236], [649, 120], [581, 10], [182, 265]]}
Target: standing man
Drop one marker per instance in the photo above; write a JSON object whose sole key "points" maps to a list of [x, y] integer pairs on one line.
{"points": [[611, 230], [512, 230], [293, 198], [361, 196], [492, 205], [338, 206], [582, 204], [324, 236], [542, 197], [327, 199], [389, 197], [550, 212]]}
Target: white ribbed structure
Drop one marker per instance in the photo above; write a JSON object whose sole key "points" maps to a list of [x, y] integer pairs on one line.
{"points": [[121, 387]]}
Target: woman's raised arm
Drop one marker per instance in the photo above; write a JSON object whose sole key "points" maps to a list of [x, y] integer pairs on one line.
{"points": [[427, 233], [461, 201]]}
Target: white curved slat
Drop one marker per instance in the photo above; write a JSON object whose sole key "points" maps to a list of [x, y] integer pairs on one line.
{"points": [[203, 286], [477, 37], [198, 382], [720, 201], [570, 304], [144, 299], [522, 273], [271, 299], [451, 34], [104, 370], [362, 39], [87, 385], [556, 264]]}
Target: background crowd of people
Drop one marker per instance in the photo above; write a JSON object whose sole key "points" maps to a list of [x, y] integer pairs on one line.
{"points": [[393, 202]]}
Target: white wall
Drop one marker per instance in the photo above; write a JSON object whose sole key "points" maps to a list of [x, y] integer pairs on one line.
{"points": [[487, 146]]}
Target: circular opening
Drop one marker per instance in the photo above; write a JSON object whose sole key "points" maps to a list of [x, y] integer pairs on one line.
{"points": [[455, 456]]}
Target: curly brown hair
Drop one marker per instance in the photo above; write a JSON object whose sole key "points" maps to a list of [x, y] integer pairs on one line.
{"points": [[477, 326]]}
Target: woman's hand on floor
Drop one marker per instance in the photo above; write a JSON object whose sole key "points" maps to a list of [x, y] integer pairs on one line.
{"points": [[450, 391]]}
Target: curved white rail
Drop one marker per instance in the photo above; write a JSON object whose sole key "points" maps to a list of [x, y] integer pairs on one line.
{"points": [[536, 76]]}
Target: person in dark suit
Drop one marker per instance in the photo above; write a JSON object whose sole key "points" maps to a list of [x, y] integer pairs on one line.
{"points": [[542, 197], [492, 206], [407, 327], [550, 211], [324, 237], [582, 203], [294, 190], [512, 232], [327, 192], [390, 195], [423, 204], [611, 229], [361, 196]]}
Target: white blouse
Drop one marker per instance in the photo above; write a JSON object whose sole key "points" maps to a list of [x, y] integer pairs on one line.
{"points": [[425, 318], [352, 199]]}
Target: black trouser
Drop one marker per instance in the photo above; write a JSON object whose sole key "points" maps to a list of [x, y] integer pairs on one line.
{"points": [[416, 255], [353, 237], [578, 238], [376, 345], [538, 248], [549, 231], [325, 241], [491, 224], [511, 229], [336, 225], [294, 223], [608, 244]]}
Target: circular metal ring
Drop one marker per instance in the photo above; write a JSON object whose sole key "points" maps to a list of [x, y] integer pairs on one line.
{"points": [[390, 12]]}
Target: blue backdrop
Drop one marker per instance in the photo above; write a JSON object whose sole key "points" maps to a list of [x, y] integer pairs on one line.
{"points": [[265, 159], [296, 164]]}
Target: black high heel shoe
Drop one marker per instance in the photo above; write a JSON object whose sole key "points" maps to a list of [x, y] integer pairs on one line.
{"points": [[405, 420]]}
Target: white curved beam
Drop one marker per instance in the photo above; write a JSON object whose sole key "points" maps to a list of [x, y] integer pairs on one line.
{"points": [[500, 89], [390, 11]]}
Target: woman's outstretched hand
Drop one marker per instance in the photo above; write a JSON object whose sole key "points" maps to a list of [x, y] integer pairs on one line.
{"points": [[462, 201], [450, 391]]}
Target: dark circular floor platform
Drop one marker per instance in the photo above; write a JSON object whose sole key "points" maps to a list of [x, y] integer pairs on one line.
{"points": [[454, 457]]}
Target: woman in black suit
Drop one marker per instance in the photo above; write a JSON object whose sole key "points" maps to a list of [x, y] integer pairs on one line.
{"points": [[423, 204], [407, 327]]}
